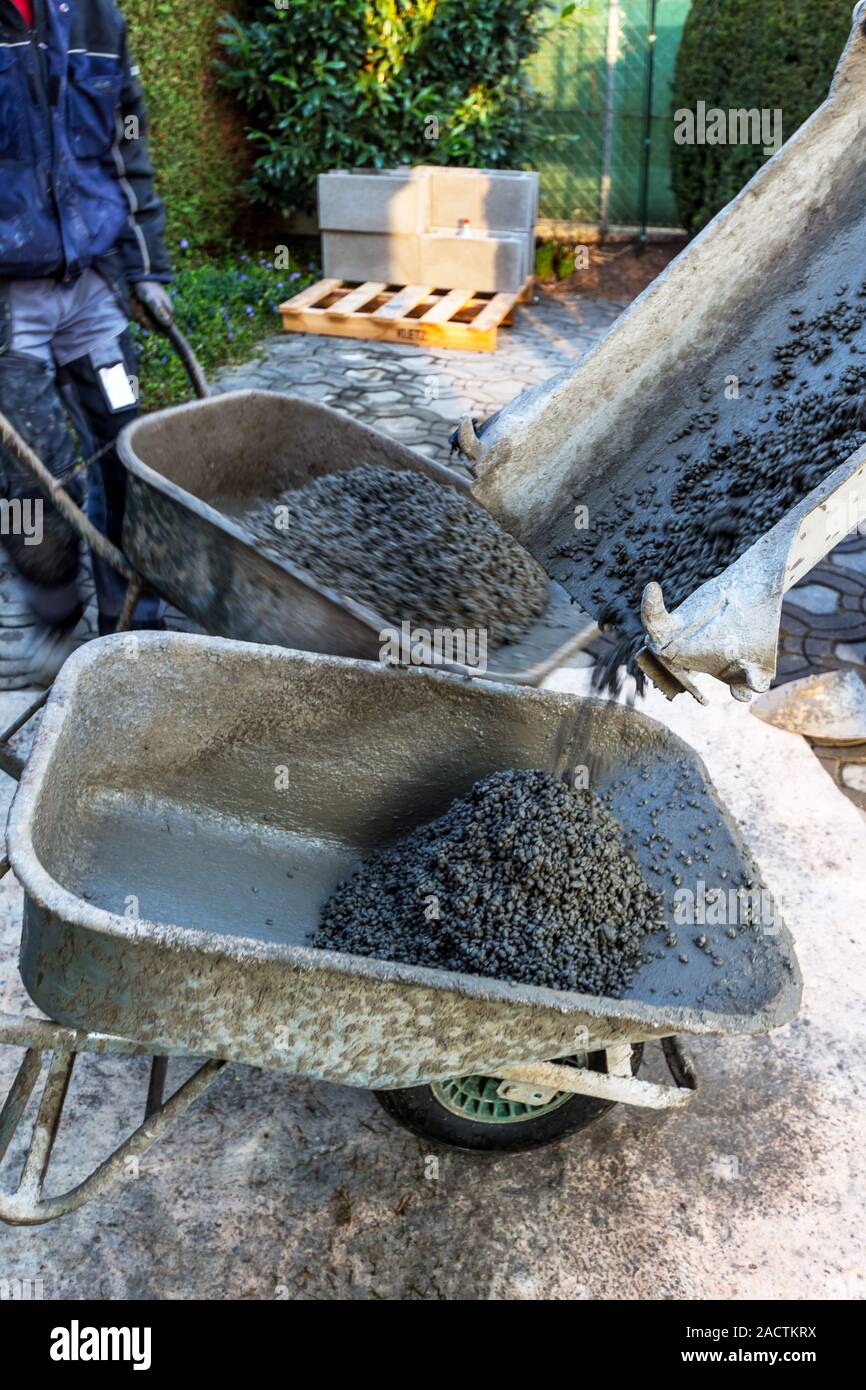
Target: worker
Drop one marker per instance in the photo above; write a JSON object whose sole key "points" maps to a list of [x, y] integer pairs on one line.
{"points": [[80, 244]]}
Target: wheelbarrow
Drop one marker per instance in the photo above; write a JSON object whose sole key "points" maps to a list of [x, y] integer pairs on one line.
{"points": [[191, 802], [604, 445], [195, 471]]}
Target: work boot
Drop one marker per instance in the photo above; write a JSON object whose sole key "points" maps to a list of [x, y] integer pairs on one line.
{"points": [[31, 657]]}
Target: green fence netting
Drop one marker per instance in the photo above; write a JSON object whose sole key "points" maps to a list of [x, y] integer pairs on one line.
{"points": [[604, 77]]}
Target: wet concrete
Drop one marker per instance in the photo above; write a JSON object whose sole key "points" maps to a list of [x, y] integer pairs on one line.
{"points": [[750, 425], [407, 547], [525, 878]]}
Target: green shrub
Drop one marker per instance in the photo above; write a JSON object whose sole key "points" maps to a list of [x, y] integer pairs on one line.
{"points": [[196, 132], [224, 308], [349, 83], [735, 53]]}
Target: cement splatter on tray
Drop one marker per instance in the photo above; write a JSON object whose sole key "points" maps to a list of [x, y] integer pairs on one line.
{"points": [[523, 879], [408, 547]]}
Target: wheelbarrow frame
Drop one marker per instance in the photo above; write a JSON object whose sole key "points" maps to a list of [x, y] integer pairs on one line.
{"points": [[24, 1203]]}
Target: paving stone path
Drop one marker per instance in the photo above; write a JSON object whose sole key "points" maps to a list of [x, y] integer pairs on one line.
{"points": [[418, 395]]}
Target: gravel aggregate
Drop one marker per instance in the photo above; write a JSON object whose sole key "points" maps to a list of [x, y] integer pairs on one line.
{"points": [[410, 548], [524, 879]]}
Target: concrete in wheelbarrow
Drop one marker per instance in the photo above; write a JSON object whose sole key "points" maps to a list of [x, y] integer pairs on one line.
{"points": [[276, 1187]]}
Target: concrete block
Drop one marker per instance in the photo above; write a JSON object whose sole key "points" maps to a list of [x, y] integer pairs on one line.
{"points": [[393, 260], [493, 199], [494, 262], [374, 200], [400, 225]]}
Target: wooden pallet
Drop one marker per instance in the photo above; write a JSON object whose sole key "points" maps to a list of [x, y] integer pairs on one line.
{"points": [[463, 319]]}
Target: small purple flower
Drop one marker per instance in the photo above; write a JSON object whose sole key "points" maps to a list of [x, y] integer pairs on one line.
{"points": [[295, 275], [184, 245], [248, 310]]}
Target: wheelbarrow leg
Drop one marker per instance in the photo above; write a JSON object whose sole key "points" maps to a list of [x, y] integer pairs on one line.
{"points": [[680, 1064], [23, 1203], [156, 1086], [16, 1101], [46, 1127]]}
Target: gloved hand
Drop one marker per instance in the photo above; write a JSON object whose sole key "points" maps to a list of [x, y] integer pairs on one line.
{"points": [[154, 307]]}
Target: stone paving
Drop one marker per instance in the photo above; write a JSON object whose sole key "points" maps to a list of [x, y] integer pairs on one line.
{"points": [[418, 395]]}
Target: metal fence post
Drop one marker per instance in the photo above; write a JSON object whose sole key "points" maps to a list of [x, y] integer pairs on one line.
{"points": [[646, 151], [611, 58]]}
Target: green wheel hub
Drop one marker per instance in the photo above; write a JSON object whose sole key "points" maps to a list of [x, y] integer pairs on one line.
{"points": [[474, 1098]]}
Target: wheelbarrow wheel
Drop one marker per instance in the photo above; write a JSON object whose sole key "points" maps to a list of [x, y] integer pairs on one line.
{"points": [[465, 1112]]}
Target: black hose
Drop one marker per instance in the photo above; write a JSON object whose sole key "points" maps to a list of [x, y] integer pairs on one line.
{"points": [[190, 362]]}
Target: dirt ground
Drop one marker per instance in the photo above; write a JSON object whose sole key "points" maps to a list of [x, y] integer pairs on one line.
{"points": [[616, 271]]}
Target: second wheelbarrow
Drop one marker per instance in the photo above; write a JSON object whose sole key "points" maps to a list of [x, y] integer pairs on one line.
{"points": [[196, 470]]}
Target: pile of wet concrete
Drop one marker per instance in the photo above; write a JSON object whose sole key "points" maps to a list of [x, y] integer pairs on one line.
{"points": [[524, 879], [411, 549], [713, 490]]}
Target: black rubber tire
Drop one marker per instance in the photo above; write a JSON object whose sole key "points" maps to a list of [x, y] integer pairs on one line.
{"points": [[418, 1109]]}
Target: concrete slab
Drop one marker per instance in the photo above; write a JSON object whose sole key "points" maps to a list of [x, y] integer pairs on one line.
{"points": [[399, 226], [489, 262], [502, 200]]}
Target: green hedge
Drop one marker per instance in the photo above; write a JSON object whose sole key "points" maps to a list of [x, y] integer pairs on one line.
{"points": [[348, 83], [196, 133], [736, 53]]}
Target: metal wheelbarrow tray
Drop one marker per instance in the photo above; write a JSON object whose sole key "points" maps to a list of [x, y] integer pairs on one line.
{"points": [[195, 470], [608, 432], [190, 803]]}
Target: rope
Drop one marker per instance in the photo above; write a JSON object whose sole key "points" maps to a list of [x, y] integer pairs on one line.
{"points": [[63, 502]]}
